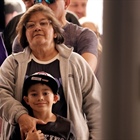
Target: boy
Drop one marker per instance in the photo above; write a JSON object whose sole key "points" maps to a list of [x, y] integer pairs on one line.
{"points": [[40, 92]]}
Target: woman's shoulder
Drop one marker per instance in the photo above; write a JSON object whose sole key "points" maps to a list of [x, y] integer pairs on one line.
{"points": [[23, 55]]}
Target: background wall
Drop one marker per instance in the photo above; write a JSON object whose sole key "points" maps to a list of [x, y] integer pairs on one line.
{"points": [[121, 70], [95, 12]]}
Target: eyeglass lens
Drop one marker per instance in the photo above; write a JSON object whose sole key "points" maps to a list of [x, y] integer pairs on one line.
{"points": [[47, 1]]}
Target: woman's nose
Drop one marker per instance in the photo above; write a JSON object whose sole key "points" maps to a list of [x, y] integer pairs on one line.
{"points": [[37, 27]]}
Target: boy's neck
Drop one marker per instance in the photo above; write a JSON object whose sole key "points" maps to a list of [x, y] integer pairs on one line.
{"points": [[46, 117]]}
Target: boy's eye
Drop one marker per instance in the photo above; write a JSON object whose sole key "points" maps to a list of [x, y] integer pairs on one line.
{"points": [[45, 93], [34, 94]]}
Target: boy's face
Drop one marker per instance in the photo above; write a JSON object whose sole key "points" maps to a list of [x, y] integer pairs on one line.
{"points": [[41, 98]]}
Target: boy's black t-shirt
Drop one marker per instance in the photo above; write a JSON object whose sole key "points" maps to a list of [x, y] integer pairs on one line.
{"points": [[61, 129]]}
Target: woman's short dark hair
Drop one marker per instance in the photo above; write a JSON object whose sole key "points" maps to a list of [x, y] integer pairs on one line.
{"points": [[21, 30]]}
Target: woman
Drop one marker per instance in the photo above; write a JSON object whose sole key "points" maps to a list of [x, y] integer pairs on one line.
{"points": [[40, 34]]}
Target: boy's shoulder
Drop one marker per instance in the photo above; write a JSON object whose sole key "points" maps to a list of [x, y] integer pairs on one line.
{"points": [[62, 119]]}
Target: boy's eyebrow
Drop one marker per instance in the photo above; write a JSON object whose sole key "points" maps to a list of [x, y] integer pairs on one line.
{"points": [[32, 90]]}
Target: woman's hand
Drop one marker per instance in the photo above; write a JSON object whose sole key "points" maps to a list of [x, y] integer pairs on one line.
{"points": [[27, 123], [35, 135]]}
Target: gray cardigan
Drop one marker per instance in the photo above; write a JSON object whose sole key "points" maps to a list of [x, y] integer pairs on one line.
{"points": [[81, 89]]}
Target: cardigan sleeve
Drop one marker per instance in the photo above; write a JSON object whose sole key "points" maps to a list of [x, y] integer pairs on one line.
{"points": [[10, 107]]}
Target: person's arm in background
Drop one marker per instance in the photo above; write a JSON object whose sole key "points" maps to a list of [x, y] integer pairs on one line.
{"points": [[88, 47], [91, 60], [84, 42]]}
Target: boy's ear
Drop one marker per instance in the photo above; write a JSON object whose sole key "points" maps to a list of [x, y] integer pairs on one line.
{"points": [[67, 3], [56, 98], [26, 100]]}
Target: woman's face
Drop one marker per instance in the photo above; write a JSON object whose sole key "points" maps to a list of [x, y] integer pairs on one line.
{"points": [[39, 31]]}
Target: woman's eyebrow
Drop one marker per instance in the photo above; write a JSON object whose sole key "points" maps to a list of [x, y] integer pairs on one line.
{"points": [[39, 20]]}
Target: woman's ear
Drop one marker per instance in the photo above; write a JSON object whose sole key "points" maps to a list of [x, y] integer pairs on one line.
{"points": [[56, 98], [25, 98]]}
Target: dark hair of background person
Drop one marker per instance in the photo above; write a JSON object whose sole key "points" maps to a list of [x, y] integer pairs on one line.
{"points": [[71, 17], [2, 16]]}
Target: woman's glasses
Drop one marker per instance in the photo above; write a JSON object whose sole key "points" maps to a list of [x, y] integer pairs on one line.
{"points": [[43, 24], [47, 1]]}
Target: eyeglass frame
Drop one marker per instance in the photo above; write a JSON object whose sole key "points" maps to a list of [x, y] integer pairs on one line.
{"points": [[33, 25]]}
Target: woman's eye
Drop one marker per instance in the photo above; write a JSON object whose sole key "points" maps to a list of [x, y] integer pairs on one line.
{"points": [[29, 26], [44, 23]]}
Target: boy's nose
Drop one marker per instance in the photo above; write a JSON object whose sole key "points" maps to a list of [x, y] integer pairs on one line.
{"points": [[41, 98]]}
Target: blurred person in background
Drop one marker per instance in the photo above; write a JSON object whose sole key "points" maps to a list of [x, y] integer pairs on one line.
{"points": [[28, 3], [12, 8], [86, 23], [79, 7]]}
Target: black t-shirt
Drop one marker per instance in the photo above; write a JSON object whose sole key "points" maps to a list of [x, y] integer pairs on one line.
{"points": [[61, 129]]}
